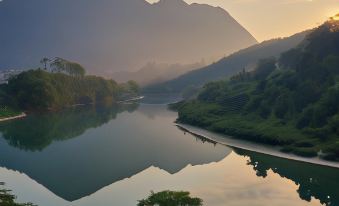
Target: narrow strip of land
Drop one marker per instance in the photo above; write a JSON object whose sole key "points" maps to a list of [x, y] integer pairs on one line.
{"points": [[246, 145], [22, 115], [132, 99]]}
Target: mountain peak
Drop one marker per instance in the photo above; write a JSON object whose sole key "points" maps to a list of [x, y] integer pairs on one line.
{"points": [[173, 2], [166, 31]]}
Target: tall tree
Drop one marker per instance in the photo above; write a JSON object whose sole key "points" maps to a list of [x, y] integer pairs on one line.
{"points": [[44, 62], [71, 68]]}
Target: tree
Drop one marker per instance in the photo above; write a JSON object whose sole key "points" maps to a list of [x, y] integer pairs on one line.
{"points": [[170, 198], [58, 64], [44, 62], [75, 69], [7, 199], [71, 68], [264, 68], [133, 87]]}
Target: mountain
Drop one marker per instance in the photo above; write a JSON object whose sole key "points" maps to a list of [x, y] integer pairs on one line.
{"points": [[153, 73], [114, 35], [243, 59], [292, 101]]}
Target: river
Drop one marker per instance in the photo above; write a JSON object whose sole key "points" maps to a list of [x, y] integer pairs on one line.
{"points": [[115, 156]]}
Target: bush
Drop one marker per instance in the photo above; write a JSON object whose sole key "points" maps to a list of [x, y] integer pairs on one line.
{"points": [[170, 198], [305, 152]]}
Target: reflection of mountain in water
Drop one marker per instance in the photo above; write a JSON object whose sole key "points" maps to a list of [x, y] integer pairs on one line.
{"points": [[314, 181], [98, 157]]}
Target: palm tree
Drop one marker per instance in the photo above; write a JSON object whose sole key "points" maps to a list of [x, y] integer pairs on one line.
{"points": [[44, 62]]}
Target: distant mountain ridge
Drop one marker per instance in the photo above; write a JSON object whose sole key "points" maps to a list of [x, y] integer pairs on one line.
{"points": [[153, 72], [114, 35], [243, 59]]}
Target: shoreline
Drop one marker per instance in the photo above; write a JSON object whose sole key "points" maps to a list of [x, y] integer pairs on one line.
{"points": [[22, 115], [250, 146], [131, 99]]}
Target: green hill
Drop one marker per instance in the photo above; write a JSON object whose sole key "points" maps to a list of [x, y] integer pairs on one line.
{"points": [[292, 101], [42, 90], [227, 66]]}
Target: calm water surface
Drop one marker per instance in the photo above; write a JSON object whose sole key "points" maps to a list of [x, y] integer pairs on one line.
{"points": [[116, 156]]}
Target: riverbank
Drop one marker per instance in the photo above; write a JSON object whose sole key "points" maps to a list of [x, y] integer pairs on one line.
{"points": [[22, 115], [131, 99], [255, 147]]}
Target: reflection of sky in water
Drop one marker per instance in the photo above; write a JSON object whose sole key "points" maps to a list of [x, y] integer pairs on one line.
{"points": [[229, 182], [122, 160]]}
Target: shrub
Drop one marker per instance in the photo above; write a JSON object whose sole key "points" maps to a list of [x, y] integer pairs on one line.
{"points": [[170, 198]]}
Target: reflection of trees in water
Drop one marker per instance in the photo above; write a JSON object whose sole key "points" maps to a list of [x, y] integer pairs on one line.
{"points": [[197, 136], [37, 131], [8, 199], [315, 181]]}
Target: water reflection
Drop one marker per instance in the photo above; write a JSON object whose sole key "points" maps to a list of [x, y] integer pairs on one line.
{"points": [[99, 148], [313, 181], [37, 131]]}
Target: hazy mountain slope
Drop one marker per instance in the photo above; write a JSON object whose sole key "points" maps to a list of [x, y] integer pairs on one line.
{"points": [[115, 35], [153, 73], [232, 64]]}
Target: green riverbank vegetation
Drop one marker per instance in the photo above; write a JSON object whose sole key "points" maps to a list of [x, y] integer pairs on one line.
{"points": [[6, 112], [292, 101]]}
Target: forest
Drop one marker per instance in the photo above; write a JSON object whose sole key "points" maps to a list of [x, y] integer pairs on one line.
{"points": [[291, 101]]}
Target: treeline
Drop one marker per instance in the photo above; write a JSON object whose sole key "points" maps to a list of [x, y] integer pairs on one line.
{"points": [[43, 90], [293, 100]]}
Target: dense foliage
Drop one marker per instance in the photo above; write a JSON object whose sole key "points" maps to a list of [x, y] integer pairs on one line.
{"points": [[62, 65], [292, 101], [5, 112], [42, 90], [170, 198]]}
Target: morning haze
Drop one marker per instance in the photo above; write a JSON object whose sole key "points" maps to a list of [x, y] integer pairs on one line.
{"points": [[169, 103], [114, 35]]}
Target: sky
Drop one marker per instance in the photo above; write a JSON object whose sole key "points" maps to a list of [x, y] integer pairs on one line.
{"points": [[267, 19]]}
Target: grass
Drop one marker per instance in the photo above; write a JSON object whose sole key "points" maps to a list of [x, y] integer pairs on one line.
{"points": [[6, 112]]}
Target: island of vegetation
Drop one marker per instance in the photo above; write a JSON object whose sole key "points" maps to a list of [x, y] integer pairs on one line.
{"points": [[292, 101], [62, 85]]}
